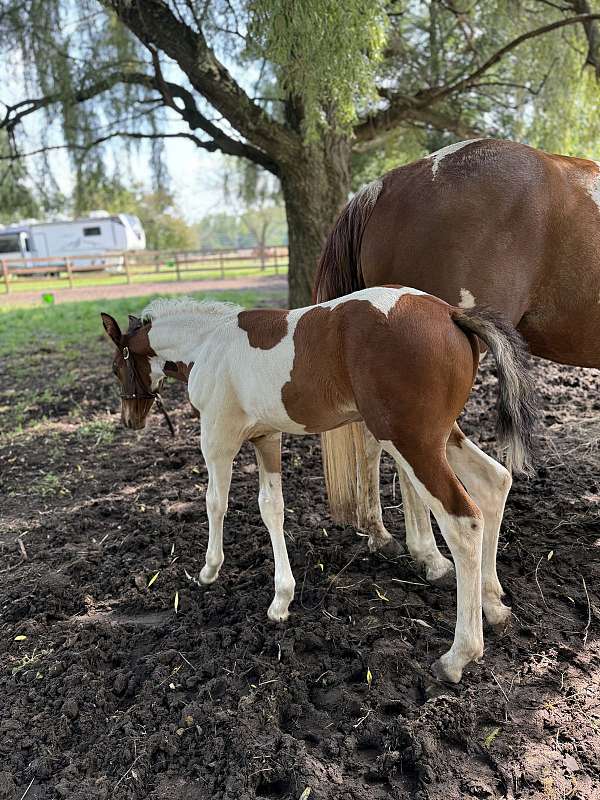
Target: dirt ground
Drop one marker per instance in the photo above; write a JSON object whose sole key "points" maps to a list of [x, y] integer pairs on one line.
{"points": [[107, 692], [114, 291]]}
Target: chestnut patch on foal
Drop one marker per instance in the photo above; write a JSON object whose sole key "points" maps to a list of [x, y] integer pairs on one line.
{"points": [[318, 390], [265, 328]]}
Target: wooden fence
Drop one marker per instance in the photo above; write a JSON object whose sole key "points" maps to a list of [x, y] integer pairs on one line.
{"points": [[141, 266]]}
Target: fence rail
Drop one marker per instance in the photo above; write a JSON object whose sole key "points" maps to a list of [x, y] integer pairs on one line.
{"points": [[139, 266]]}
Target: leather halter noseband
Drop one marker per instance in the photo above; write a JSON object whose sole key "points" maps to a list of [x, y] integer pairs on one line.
{"points": [[140, 392]]}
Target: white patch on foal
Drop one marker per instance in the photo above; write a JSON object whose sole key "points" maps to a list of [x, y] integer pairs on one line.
{"points": [[467, 299], [439, 155]]}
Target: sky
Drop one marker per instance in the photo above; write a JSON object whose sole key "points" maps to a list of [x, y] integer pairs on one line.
{"points": [[194, 173], [194, 176]]}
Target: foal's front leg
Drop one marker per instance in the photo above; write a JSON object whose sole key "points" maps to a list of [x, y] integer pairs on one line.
{"points": [[270, 501], [219, 452]]}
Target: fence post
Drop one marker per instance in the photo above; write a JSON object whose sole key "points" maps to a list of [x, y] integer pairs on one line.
{"points": [[177, 272], [221, 265], [126, 265], [276, 264], [5, 273], [69, 273]]}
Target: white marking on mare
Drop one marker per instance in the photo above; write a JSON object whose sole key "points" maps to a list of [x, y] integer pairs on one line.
{"points": [[594, 188], [466, 299], [439, 155], [368, 194]]}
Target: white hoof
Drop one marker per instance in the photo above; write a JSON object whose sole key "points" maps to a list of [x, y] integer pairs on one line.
{"points": [[497, 614], [208, 574], [451, 665], [278, 610], [440, 569]]}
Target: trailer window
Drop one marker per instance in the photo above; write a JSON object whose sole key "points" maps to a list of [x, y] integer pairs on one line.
{"points": [[9, 244], [92, 231]]}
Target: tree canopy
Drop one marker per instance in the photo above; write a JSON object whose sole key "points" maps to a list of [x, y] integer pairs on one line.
{"points": [[307, 90]]}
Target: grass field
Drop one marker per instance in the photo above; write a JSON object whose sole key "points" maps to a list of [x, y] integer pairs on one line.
{"points": [[67, 326]]}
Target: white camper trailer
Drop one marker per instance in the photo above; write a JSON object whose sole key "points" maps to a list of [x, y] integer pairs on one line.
{"points": [[99, 232]]}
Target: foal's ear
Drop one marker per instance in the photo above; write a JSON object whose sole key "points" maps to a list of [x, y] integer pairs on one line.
{"points": [[111, 326], [134, 322]]}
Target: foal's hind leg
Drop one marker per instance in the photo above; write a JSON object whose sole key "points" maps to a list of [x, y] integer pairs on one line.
{"points": [[488, 483], [461, 524], [270, 501], [419, 534]]}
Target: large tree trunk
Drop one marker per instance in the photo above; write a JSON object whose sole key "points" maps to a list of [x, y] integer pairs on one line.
{"points": [[315, 188]]}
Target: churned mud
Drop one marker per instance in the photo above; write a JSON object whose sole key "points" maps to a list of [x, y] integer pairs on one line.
{"points": [[107, 690]]}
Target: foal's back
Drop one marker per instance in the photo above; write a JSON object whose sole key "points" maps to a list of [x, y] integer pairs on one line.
{"points": [[383, 354]]}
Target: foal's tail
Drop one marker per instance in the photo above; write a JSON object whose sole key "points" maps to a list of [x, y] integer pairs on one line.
{"points": [[517, 407]]}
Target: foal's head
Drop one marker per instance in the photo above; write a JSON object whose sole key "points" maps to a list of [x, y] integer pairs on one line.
{"points": [[132, 367]]}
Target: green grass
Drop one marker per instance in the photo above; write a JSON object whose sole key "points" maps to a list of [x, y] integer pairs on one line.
{"points": [[68, 327]]}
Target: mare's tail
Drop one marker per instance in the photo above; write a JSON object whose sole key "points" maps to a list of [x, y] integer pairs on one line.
{"points": [[338, 273]]}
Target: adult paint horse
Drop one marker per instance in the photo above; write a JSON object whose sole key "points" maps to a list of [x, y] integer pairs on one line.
{"points": [[489, 222], [400, 360]]}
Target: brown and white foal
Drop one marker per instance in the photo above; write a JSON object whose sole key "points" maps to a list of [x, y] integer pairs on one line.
{"points": [[398, 359]]}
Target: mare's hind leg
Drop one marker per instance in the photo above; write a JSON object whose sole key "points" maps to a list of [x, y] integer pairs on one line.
{"points": [[368, 493], [270, 501], [219, 452], [461, 524], [488, 483], [419, 534]]}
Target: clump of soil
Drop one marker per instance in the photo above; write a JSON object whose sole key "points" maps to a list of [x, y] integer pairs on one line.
{"points": [[107, 692]]}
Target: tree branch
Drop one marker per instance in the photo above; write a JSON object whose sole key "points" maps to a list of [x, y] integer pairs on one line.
{"points": [[154, 23], [188, 112], [403, 107], [437, 93], [209, 145], [592, 35], [368, 137]]}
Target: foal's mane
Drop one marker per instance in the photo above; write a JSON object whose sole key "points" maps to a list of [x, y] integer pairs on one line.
{"points": [[187, 306]]}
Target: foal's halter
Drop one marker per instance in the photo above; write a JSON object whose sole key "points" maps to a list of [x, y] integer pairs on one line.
{"points": [[139, 391]]}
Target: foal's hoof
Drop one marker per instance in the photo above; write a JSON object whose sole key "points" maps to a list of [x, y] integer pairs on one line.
{"points": [[445, 673], [391, 548], [498, 618], [441, 575], [277, 613], [208, 576]]}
